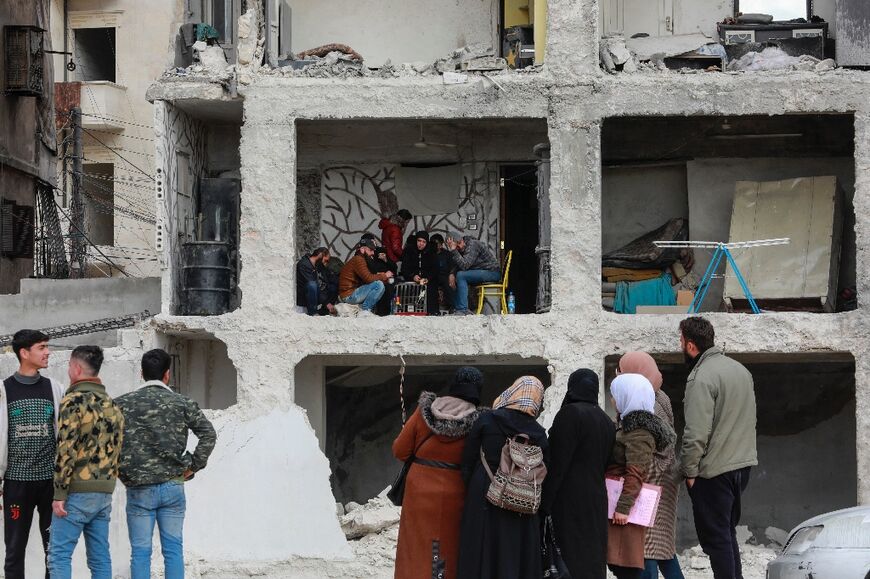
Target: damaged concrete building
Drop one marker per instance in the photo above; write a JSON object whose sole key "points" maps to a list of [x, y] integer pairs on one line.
{"points": [[265, 149]]}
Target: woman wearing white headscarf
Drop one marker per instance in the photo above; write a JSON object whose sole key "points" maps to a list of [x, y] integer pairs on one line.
{"points": [[639, 435]]}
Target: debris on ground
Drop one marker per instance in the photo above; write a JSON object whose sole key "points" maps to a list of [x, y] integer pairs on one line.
{"points": [[372, 518], [322, 51], [773, 58]]}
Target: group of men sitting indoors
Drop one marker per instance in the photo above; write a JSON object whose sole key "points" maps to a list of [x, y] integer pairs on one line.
{"points": [[447, 267]]}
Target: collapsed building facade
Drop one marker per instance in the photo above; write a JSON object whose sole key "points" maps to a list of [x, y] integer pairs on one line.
{"points": [[264, 152]]}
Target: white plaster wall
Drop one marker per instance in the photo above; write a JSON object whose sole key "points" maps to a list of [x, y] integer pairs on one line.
{"points": [[691, 16], [711, 197], [265, 494], [637, 200], [379, 30]]}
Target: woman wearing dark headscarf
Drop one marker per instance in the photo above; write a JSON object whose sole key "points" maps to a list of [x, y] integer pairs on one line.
{"points": [[640, 433], [434, 490], [581, 440], [497, 543], [420, 265], [659, 548]]}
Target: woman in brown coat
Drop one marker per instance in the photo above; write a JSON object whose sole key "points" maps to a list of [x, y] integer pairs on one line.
{"points": [[434, 490], [639, 435], [659, 548]]}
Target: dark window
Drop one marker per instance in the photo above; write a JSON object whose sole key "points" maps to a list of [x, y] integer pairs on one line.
{"points": [[23, 46], [95, 53], [16, 230]]}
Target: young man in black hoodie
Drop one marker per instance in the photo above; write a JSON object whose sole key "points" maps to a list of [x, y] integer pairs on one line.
{"points": [[29, 404]]}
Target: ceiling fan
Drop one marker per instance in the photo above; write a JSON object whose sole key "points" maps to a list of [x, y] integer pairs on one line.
{"points": [[423, 143]]}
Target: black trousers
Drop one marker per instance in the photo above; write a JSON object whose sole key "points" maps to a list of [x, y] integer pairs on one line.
{"points": [[716, 509], [20, 498]]}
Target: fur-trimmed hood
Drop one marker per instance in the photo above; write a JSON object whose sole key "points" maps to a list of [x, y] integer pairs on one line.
{"points": [[451, 428], [663, 434]]}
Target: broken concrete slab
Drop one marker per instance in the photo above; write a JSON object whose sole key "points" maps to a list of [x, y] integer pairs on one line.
{"points": [[373, 517], [248, 27], [211, 57], [645, 47]]}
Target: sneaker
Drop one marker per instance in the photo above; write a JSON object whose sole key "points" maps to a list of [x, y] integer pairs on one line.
{"points": [[365, 314], [343, 310], [462, 313]]}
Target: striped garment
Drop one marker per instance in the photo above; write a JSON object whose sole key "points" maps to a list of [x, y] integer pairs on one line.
{"points": [[659, 542], [525, 395]]}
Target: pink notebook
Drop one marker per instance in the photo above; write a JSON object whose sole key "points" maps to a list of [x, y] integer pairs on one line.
{"points": [[643, 512]]}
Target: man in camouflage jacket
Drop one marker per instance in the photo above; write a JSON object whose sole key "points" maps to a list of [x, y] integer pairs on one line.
{"points": [[155, 463], [89, 437]]}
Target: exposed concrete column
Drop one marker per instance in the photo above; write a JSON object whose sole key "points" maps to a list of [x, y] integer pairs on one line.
{"points": [[309, 392], [163, 212], [572, 38], [861, 204], [268, 225], [575, 203], [862, 243]]}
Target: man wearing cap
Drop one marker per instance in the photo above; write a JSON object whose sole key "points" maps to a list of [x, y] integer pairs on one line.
{"points": [[475, 264], [357, 284]]}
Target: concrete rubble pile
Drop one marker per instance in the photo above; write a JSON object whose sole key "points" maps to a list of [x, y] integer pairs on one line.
{"points": [[774, 58], [347, 64], [377, 515], [647, 54]]}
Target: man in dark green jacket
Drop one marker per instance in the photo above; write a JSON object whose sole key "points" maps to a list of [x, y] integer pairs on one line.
{"points": [[155, 463], [718, 443]]}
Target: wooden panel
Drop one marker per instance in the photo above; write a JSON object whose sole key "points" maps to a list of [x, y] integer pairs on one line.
{"points": [[802, 210]]}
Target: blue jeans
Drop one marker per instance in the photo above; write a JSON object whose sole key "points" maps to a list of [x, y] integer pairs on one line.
{"points": [[164, 504], [670, 569], [312, 298], [88, 513], [471, 277], [367, 295]]}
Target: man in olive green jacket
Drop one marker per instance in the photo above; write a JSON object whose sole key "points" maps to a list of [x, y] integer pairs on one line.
{"points": [[718, 443]]}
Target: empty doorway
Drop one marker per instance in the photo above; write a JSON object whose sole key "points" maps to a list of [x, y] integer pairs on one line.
{"points": [[519, 232]]}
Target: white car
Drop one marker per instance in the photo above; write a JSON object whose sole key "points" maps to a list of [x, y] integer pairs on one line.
{"points": [[831, 546]]}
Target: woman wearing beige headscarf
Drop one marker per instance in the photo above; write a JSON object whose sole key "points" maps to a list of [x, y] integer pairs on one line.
{"points": [[496, 543], [659, 544]]}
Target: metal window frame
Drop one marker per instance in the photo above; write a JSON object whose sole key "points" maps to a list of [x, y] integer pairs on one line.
{"points": [[33, 88]]}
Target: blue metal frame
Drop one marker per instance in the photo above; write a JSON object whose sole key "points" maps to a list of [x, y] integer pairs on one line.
{"points": [[722, 252]]}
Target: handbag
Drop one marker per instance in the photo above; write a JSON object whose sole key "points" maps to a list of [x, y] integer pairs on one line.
{"points": [[551, 555], [397, 490]]}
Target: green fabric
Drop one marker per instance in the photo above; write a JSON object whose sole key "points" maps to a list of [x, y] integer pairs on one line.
{"points": [[719, 407], [653, 292]]}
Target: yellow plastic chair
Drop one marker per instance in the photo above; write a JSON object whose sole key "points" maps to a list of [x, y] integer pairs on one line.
{"points": [[495, 289]]}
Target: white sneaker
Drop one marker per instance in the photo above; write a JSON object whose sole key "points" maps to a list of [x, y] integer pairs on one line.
{"points": [[346, 310], [365, 314]]}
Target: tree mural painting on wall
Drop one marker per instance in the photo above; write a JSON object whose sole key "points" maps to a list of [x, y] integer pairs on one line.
{"points": [[355, 198]]}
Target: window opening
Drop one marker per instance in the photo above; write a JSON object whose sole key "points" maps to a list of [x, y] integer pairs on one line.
{"points": [[95, 54]]}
